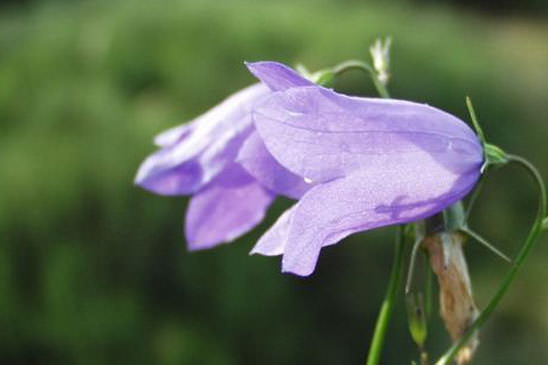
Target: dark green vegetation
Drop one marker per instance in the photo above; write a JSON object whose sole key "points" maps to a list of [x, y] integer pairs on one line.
{"points": [[93, 270]]}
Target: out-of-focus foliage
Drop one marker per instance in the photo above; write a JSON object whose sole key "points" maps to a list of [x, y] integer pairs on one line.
{"points": [[94, 270]]}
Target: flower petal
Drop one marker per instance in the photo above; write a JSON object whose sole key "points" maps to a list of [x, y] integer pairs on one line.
{"points": [[277, 76], [228, 207], [321, 135], [256, 159], [211, 143], [383, 193], [173, 135], [273, 242]]}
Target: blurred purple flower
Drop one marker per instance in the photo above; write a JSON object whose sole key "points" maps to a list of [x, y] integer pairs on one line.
{"points": [[202, 158], [371, 163]]}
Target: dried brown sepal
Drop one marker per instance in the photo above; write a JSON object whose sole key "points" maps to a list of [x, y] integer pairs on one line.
{"points": [[457, 307]]}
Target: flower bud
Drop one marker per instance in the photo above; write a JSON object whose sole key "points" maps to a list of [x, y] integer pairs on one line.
{"points": [[380, 53], [416, 318]]}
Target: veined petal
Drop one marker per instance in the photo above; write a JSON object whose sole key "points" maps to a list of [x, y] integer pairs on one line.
{"points": [[321, 135], [256, 159], [228, 207], [210, 143], [383, 193], [277, 76]]}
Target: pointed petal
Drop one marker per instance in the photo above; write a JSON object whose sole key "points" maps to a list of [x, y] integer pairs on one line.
{"points": [[256, 159], [211, 143], [177, 180], [173, 135], [277, 76], [272, 243], [382, 194], [228, 207], [321, 135]]}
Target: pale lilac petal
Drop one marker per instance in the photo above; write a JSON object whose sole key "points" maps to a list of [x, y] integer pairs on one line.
{"points": [[272, 243], [178, 180], [384, 193], [277, 76], [255, 158], [321, 135], [211, 143], [173, 135], [228, 207]]}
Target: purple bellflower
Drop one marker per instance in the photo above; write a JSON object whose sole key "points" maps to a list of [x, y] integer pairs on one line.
{"points": [[201, 158], [368, 162]]}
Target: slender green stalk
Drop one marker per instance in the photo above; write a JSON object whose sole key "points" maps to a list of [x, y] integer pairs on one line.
{"points": [[534, 234], [484, 242], [412, 261], [388, 302], [363, 66], [474, 197], [380, 87], [350, 65], [477, 126], [429, 287]]}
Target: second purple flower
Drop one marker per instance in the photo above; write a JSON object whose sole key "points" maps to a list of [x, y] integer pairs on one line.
{"points": [[201, 158]]}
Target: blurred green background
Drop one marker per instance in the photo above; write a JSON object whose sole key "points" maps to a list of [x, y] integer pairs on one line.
{"points": [[94, 270]]}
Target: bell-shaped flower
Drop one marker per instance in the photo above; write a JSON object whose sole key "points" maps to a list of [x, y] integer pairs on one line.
{"points": [[370, 163], [201, 158]]}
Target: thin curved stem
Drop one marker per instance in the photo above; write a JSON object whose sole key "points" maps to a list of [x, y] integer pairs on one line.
{"points": [[474, 118], [350, 65], [485, 243], [412, 261], [534, 234], [429, 285], [388, 303], [363, 66], [474, 197]]}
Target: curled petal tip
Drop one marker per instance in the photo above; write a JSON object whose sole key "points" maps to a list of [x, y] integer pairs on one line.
{"points": [[273, 241], [157, 175], [263, 251], [255, 251], [303, 265], [253, 66], [137, 180], [297, 271], [277, 76]]}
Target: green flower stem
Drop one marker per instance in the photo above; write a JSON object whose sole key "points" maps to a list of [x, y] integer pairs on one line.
{"points": [[485, 243], [388, 303], [363, 66], [429, 288], [474, 197], [475, 121], [534, 234]]}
